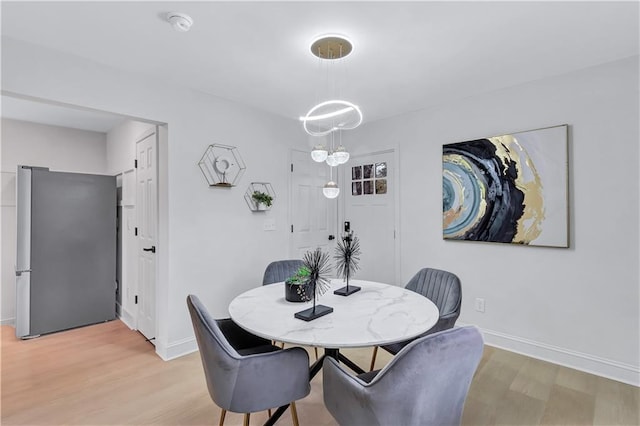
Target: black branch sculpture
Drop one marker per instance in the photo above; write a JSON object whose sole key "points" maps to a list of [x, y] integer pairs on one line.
{"points": [[347, 257], [317, 262]]}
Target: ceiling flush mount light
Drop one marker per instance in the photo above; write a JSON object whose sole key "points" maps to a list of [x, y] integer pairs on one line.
{"points": [[180, 21], [330, 117], [331, 46]]}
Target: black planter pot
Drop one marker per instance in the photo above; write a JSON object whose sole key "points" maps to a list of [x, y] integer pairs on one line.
{"points": [[298, 292]]}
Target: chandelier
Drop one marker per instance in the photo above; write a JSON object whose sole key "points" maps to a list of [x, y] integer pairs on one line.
{"points": [[327, 119]]}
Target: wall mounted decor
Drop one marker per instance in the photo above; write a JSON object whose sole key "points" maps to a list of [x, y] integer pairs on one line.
{"points": [[508, 189], [259, 196], [222, 165]]}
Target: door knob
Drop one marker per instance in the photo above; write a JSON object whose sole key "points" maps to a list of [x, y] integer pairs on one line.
{"points": [[152, 249], [331, 237]]}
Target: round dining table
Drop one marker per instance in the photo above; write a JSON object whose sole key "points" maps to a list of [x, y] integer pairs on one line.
{"points": [[377, 314]]}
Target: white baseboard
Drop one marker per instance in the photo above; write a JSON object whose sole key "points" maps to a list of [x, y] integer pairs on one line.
{"points": [[176, 349], [126, 318], [608, 368], [8, 321]]}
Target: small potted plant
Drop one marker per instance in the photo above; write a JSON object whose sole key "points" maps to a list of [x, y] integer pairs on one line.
{"points": [[298, 287], [262, 200]]}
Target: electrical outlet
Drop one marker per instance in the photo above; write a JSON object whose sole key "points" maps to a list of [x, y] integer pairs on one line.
{"points": [[480, 304], [269, 225]]}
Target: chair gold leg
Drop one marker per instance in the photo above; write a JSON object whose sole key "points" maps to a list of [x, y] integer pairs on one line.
{"points": [[373, 358], [246, 419], [316, 350], [294, 414], [222, 414]]}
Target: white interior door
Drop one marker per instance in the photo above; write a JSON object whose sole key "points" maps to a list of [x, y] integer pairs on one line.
{"points": [[313, 217], [129, 248], [147, 209], [368, 191]]}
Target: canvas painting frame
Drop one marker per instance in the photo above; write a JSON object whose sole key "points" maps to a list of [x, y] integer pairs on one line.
{"points": [[512, 188]]}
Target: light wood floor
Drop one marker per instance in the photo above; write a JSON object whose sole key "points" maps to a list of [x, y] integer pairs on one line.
{"points": [[108, 375]]}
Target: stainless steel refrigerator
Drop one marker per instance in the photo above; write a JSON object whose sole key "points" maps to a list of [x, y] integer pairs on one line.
{"points": [[66, 258]]}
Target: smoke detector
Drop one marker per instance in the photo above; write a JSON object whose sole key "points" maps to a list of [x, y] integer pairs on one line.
{"points": [[180, 21]]}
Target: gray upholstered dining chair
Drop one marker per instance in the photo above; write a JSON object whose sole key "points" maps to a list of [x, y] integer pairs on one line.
{"points": [[246, 373], [444, 290], [426, 383], [280, 270]]}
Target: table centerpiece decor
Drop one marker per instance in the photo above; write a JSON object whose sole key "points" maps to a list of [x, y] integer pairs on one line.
{"points": [[347, 257], [317, 262], [298, 288]]}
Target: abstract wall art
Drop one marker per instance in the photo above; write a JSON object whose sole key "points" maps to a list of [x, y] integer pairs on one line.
{"points": [[508, 189]]}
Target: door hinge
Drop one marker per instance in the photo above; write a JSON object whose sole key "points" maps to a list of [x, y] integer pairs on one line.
{"points": [[135, 299], [291, 228], [291, 167], [135, 164], [135, 231]]}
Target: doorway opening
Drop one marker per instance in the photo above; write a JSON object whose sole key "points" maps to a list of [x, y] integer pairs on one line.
{"points": [[120, 134]]}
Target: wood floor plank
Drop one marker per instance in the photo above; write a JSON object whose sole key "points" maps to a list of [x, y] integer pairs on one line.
{"points": [[568, 407], [535, 379], [516, 408], [492, 381], [616, 403], [478, 413], [577, 380]]}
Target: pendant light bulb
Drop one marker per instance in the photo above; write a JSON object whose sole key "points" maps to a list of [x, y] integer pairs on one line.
{"points": [[341, 155], [332, 160], [331, 190], [319, 153]]}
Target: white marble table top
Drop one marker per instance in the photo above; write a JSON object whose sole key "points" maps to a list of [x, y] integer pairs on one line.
{"points": [[376, 315]]}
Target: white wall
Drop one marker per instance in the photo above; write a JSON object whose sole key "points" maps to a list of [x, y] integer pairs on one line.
{"points": [[211, 244], [121, 145], [576, 306], [60, 149]]}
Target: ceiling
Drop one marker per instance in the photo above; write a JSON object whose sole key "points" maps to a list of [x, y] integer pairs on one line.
{"points": [[407, 55]]}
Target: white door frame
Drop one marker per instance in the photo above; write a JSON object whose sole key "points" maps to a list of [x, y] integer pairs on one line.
{"points": [[345, 173]]}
